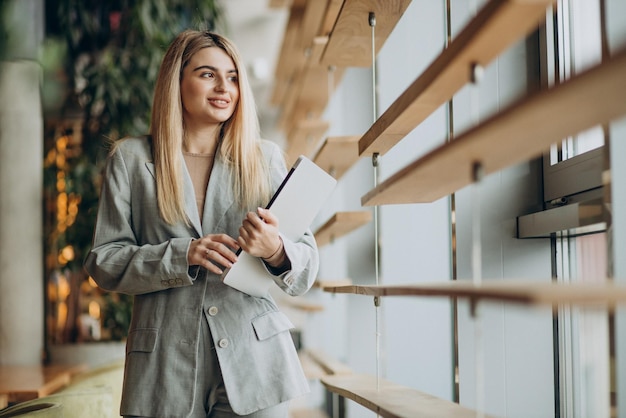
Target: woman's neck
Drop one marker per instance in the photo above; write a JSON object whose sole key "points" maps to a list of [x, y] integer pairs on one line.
{"points": [[201, 141]]}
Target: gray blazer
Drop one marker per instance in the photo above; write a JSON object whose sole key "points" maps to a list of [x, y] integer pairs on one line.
{"points": [[136, 252]]}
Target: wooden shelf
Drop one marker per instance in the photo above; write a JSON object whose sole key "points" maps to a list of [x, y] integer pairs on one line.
{"points": [[322, 283], [307, 413], [516, 134], [496, 26], [341, 223], [337, 154], [310, 88], [554, 294], [350, 43], [301, 85], [329, 365], [391, 400], [312, 370], [304, 138]]}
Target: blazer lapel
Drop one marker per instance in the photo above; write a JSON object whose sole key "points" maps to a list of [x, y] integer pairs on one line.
{"points": [[190, 203], [218, 199]]}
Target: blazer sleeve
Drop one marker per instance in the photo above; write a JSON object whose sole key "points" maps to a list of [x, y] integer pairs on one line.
{"points": [[117, 262], [302, 254]]}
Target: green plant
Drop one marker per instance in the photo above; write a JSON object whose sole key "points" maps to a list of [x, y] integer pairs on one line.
{"points": [[111, 54]]}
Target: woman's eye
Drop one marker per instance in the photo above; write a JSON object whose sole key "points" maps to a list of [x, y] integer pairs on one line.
{"points": [[233, 79], [206, 75]]}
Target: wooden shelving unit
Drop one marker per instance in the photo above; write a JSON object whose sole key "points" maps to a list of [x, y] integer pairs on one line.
{"points": [[337, 154], [516, 134], [390, 400], [314, 55], [498, 25], [341, 223], [606, 294]]}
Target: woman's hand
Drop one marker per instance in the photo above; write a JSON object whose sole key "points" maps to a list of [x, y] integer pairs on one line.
{"points": [[212, 251], [258, 236]]}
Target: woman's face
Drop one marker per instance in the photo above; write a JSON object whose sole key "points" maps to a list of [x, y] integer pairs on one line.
{"points": [[209, 88]]}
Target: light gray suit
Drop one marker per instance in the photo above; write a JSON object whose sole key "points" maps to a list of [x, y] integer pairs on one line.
{"points": [[136, 252]]}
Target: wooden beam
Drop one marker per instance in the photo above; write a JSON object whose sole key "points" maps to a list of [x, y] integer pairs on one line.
{"points": [[350, 42], [337, 154], [516, 134], [340, 224], [602, 294], [391, 400], [497, 25]]}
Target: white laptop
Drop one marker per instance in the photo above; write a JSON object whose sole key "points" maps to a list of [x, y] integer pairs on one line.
{"points": [[296, 202]]}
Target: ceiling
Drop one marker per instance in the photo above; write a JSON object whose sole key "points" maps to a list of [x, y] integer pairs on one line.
{"points": [[257, 30]]}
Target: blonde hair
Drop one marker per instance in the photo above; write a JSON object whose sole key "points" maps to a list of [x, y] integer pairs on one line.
{"points": [[240, 135]]}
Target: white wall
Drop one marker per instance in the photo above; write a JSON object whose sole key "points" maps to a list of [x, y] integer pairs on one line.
{"points": [[515, 345]]}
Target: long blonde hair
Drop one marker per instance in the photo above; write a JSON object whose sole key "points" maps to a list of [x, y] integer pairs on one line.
{"points": [[240, 135]]}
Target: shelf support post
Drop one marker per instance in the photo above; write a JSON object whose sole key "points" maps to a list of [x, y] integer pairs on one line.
{"points": [[371, 19]]}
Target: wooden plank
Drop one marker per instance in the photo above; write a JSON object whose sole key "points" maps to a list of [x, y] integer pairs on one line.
{"points": [[322, 283], [391, 400], [333, 7], [328, 364], [520, 132], [314, 14], [300, 98], [307, 413], [350, 42], [497, 25], [337, 154], [312, 370], [305, 138], [291, 58], [340, 224], [604, 294]]}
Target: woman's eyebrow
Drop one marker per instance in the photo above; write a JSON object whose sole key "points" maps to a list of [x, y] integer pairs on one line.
{"points": [[209, 67]]}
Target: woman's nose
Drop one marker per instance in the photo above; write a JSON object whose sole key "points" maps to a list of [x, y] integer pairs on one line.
{"points": [[221, 84]]}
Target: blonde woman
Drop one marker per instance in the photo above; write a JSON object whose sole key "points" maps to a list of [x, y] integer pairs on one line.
{"points": [[175, 208]]}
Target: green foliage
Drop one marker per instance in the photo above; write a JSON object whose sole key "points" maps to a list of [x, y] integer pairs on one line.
{"points": [[111, 54], [115, 49]]}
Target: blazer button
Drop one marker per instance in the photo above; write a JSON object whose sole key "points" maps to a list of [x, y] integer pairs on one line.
{"points": [[164, 282], [223, 343], [213, 310]]}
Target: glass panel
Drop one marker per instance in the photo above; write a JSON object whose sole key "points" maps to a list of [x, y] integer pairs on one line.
{"points": [[578, 47], [584, 357]]}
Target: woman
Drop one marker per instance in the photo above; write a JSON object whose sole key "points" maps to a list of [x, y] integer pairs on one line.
{"points": [[174, 209]]}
